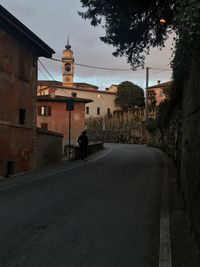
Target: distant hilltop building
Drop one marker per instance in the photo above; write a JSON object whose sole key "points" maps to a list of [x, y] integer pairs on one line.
{"points": [[112, 89], [158, 90], [103, 102], [156, 96]]}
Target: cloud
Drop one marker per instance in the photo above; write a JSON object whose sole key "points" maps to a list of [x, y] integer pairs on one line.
{"points": [[53, 20]]}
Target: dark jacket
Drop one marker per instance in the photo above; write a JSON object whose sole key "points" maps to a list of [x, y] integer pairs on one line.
{"points": [[83, 140]]}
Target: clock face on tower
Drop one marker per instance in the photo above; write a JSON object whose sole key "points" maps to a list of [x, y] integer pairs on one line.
{"points": [[67, 68]]}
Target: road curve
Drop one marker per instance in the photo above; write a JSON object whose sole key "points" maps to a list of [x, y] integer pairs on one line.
{"points": [[101, 213]]}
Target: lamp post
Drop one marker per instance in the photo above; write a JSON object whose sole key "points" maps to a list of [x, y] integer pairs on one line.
{"points": [[69, 107], [146, 102], [100, 96]]}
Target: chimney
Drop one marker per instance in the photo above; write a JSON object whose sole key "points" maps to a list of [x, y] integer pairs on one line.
{"points": [[52, 92]]}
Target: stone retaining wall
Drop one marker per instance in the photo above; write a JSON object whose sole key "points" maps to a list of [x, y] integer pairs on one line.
{"points": [[190, 153], [181, 140], [132, 136], [75, 150]]}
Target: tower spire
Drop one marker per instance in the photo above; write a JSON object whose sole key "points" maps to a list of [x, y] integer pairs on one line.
{"points": [[68, 65], [68, 46]]}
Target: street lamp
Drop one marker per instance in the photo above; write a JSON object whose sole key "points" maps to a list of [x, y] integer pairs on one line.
{"points": [[100, 96], [162, 21], [146, 95], [70, 107]]}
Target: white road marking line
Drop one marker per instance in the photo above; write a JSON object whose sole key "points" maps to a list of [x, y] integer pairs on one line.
{"points": [[8, 186], [68, 169], [165, 240], [50, 174], [55, 172]]}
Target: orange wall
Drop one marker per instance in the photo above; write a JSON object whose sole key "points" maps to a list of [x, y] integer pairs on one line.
{"points": [[160, 97], [17, 141], [59, 119]]}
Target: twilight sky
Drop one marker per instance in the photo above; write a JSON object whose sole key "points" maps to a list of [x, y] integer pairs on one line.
{"points": [[54, 20]]}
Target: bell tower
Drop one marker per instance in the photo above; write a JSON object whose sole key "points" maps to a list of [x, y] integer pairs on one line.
{"points": [[68, 65]]}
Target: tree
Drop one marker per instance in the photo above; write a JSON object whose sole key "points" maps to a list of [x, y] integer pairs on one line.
{"points": [[151, 100], [167, 90], [129, 95], [132, 26]]}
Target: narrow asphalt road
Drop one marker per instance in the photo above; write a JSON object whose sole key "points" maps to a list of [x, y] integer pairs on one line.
{"points": [[100, 213]]}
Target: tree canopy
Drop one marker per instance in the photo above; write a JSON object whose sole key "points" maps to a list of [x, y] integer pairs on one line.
{"points": [[132, 26], [129, 95], [151, 99]]}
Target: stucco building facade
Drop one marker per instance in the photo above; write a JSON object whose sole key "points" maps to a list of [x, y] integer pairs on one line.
{"points": [[103, 102], [155, 97], [53, 115], [19, 51]]}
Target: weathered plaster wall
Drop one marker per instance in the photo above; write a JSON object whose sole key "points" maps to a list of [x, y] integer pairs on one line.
{"points": [[15, 148], [18, 75], [49, 145], [59, 119]]}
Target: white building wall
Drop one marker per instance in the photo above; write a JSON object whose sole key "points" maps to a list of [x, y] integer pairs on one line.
{"points": [[101, 99]]}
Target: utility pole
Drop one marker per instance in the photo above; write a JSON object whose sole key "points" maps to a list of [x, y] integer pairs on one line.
{"points": [[69, 152], [103, 110], [146, 100], [69, 108]]}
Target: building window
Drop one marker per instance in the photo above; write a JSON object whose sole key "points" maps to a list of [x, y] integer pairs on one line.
{"points": [[98, 111], [22, 115], [161, 93], [87, 110], [108, 111], [44, 110], [44, 126], [73, 94]]}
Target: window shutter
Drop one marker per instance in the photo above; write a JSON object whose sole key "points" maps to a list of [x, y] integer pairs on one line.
{"points": [[49, 110], [39, 110]]}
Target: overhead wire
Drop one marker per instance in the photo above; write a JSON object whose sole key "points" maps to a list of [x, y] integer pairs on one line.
{"points": [[156, 68], [112, 69], [157, 72], [42, 73], [46, 70], [93, 67], [97, 67]]}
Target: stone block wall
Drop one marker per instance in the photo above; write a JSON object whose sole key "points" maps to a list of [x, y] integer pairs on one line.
{"points": [[137, 135], [75, 150], [190, 154], [169, 138], [181, 141]]}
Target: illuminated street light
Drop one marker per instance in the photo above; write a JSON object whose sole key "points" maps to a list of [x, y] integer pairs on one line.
{"points": [[162, 21]]}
